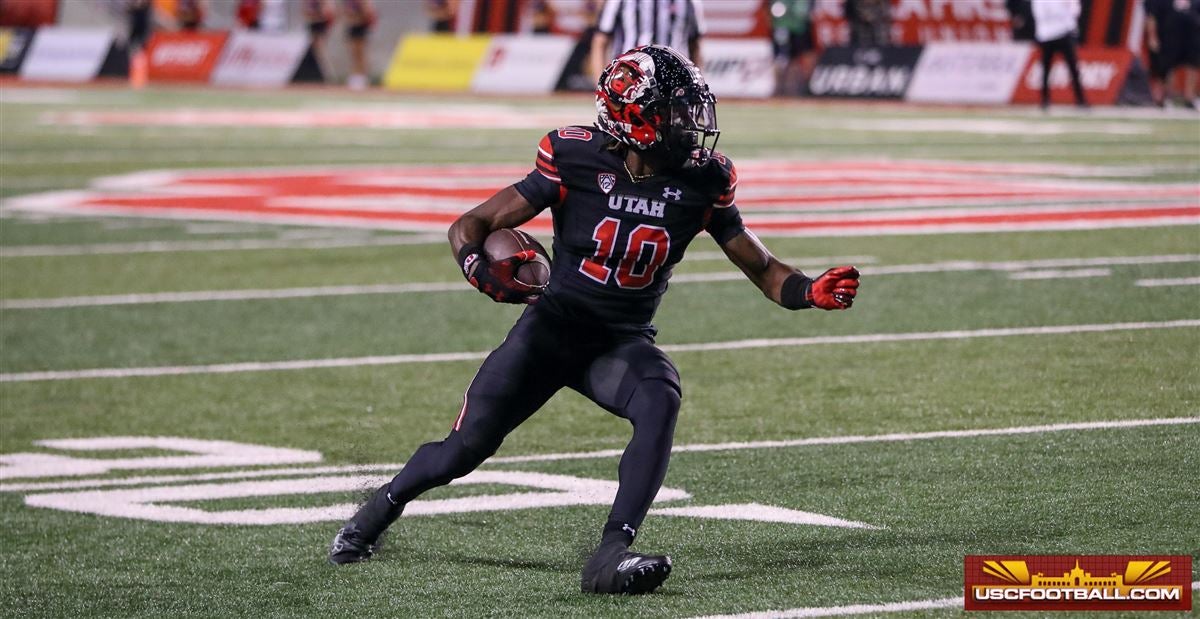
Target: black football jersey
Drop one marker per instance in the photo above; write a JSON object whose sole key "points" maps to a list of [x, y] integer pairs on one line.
{"points": [[617, 240]]}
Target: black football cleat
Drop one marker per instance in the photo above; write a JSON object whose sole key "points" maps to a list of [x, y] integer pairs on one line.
{"points": [[362, 535], [616, 569], [351, 545]]}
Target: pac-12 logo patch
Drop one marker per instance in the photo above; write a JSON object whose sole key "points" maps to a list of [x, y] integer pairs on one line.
{"points": [[606, 181]]}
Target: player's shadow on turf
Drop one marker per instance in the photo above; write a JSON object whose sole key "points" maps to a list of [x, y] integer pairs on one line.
{"points": [[540, 566]]}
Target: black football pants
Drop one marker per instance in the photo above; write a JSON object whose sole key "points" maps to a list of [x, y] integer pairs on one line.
{"points": [[1066, 47], [623, 372]]}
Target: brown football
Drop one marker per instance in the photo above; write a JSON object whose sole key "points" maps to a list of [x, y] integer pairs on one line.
{"points": [[508, 242]]}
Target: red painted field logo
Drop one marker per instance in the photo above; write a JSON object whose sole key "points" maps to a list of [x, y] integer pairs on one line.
{"points": [[781, 198], [1078, 582]]}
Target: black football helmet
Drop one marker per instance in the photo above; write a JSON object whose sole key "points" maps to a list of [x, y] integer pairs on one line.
{"points": [[652, 98]]}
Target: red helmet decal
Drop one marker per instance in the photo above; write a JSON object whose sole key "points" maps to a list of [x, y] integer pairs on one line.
{"points": [[625, 79]]}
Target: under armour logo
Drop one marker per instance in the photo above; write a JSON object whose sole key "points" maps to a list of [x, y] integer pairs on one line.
{"points": [[674, 194], [628, 529], [628, 563]]}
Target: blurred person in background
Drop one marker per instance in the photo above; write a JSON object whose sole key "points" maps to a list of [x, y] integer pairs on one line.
{"points": [[248, 12], [189, 14], [273, 15], [625, 24], [578, 73], [1173, 40], [792, 40], [1020, 14], [318, 14], [360, 16], [140, 16], [870, 22], [1056, 24], [442, 14], [542, 17]]}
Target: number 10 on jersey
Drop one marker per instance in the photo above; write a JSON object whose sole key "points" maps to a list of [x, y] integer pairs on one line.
{"points": [[630, 272]]}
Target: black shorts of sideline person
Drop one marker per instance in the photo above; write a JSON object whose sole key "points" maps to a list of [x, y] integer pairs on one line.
{"points": [[1174, 52]]}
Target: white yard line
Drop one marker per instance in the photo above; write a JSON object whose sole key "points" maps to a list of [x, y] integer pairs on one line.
{"points": [[720, 276], [170, 479], [152, 247], [305, 364], [1059, 274], [952, 266], [1173, 281], [611, 453], [706, 256], [876, 438], [854, 609], [230, 295]]}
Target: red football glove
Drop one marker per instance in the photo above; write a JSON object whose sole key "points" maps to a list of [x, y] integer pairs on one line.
{"points": [[834, 289], [496, 279]]}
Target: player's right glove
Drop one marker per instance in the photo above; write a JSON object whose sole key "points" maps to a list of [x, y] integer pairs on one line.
{"points": [[496, 279]]}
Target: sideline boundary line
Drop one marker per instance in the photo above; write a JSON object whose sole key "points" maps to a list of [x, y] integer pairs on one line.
{"points": [[305, 364], [901, 437]]}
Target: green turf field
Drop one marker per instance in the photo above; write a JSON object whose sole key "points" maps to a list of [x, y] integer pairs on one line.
{"points": [[945, 346]]}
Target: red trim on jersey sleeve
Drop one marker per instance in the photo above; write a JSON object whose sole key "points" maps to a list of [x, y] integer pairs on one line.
{"points": [[545, 160], [726, 199]]}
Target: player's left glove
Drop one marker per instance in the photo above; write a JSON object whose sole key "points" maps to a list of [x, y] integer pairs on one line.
{"points": [[834, 289], [496, 279]]}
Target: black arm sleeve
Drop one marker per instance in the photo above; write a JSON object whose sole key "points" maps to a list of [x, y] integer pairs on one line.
{"points": [[724, 224]]}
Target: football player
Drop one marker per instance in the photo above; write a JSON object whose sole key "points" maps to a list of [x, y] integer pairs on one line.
{"points": [[627, 196]]}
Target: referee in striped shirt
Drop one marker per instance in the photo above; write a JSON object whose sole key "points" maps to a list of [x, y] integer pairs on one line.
{"points": [[626, 24]]}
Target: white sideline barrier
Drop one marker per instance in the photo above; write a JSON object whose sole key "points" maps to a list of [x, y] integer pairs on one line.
{"points": [[522, 65], [66, 54], [260, 59], [738, 67], [961, 72]]}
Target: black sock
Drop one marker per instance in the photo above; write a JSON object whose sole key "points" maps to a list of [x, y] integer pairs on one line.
{"points": [[616, 532], [377, 513]]}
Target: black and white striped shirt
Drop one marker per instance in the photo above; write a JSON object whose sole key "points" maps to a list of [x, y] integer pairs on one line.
{"points": [[630, 23]]}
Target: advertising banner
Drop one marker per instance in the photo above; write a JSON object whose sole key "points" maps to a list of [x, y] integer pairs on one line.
{"points": [[264, 59], [874, 73], [985, 73], [184, 56], [916, 22], [13, 44], [522, 64], [738, 67], [438, 62], [66, 54], [1101, 71]]}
